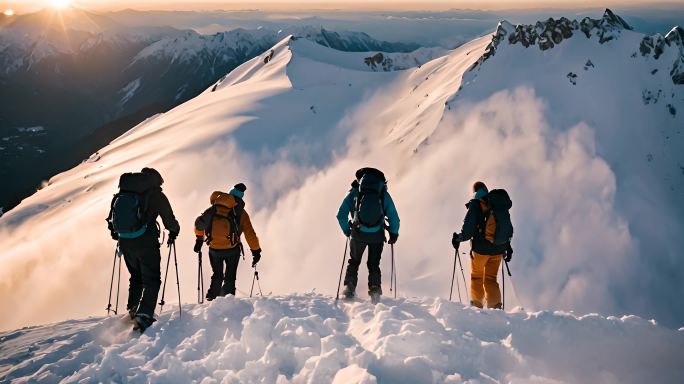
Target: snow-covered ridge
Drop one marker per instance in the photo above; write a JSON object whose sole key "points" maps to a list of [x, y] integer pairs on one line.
{"points": [[550, 33], [190, 44], [311, 339]]}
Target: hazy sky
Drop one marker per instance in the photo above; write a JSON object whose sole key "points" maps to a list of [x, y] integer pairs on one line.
{"points": [[28, 5]]}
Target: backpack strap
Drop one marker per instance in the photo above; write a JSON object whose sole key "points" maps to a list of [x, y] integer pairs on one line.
{"points": [[481, 222], [209, 219], [111, 212]]}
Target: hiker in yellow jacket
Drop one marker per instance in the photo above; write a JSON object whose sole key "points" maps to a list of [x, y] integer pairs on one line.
{"points": [[221, 226]]}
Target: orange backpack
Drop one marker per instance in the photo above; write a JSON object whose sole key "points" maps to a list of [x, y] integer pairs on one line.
{"points": [[223, 227]]}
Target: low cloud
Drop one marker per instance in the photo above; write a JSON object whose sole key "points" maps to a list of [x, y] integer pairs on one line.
{"points": [[574, 249]]}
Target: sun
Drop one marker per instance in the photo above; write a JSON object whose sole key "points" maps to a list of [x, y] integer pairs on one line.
{"points": [[59, 4]]}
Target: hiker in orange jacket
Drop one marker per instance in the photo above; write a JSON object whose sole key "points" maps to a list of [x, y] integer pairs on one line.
{"points": [[221, 226]]}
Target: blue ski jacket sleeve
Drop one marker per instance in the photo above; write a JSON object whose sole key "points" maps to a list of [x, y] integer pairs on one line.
{"points": [[470, 221], [391, 213], [346, 209]]}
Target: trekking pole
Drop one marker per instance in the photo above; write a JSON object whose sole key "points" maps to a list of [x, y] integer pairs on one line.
{"points": [[453, 277], [118, 286], [251, 291], [515, 291], [111, 284], [162, 302], [200, 279], [394, 273], [175, 261], [465, 284], [256, 277], [344, 257]]}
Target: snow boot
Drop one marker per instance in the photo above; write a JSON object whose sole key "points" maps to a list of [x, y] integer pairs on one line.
{"points": [[375, 292], [349, 292], [131, 313], [142, 322]]}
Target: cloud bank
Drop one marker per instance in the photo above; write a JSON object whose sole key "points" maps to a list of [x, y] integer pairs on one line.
{"points": [[573, 248]]}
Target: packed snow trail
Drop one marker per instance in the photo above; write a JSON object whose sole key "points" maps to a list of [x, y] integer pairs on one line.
{"points": [[309, 338]]}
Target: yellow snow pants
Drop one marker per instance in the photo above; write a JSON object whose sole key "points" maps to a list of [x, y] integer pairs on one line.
{"points": [[483, 283]]}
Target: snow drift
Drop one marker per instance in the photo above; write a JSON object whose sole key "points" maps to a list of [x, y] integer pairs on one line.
{"points": [[310, 339], [591, 162]]}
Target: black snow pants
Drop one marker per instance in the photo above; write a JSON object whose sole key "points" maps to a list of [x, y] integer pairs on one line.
{"points": [[223, 280], [143, 264], [357, 247]]}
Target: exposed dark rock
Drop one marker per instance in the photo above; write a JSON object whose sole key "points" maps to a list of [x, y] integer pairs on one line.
{"points": [[572, 77], [650, 97], [268, 57], [588, 65], [374, 60], [672, 109]]}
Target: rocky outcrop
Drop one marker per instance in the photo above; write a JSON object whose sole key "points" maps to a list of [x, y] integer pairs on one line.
{"points": [[547, 34], [655, 46]]}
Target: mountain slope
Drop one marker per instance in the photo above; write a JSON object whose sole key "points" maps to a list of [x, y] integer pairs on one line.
{"points": [[294, 124], [309, 338]]}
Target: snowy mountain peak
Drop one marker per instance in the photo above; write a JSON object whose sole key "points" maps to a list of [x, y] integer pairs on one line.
{"points": [[551, 33], [547, 34], [676, 36], [612, 20]]}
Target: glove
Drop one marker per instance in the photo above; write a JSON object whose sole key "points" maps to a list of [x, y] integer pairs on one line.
{"points": [[115, 236], [198, 245], [455, 241], [393, 238], [509, 254], [172, 238], [347, 231], [256, 256]]}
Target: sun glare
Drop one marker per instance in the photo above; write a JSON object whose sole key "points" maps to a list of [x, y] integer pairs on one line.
{"points": [[9, 13], [59, 4]]}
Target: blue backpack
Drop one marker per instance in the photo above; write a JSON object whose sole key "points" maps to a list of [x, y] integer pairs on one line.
{"points": [[127, 212], [370, 201]]}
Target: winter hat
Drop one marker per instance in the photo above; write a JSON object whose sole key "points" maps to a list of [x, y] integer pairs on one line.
{"points": [[479, 190], [155, 175], [238, 190]]}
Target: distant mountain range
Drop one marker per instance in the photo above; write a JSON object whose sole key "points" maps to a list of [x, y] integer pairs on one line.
{"points": [[84, 78]]}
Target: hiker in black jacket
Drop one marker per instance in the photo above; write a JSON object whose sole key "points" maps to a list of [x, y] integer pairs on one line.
{"points": [[141, 250]]}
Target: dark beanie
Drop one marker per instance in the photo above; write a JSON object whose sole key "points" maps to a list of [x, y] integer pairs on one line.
{"points": [[155, 175]]}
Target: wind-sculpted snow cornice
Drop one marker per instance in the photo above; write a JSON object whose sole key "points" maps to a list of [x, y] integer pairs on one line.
{"points": [[547, 34]]}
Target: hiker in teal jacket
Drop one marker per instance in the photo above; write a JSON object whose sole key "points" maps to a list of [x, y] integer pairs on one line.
{"points": [[367, 235]]}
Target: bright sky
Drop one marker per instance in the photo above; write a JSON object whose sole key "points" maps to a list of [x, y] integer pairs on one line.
{"points": [[31, 5]]}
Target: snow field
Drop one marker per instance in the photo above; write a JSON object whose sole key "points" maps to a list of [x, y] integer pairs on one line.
{"points": [[311, 339]]}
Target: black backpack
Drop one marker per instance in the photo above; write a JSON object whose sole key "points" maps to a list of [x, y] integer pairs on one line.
{"points": [[370, 201], [128, 207], [498, 231]]}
